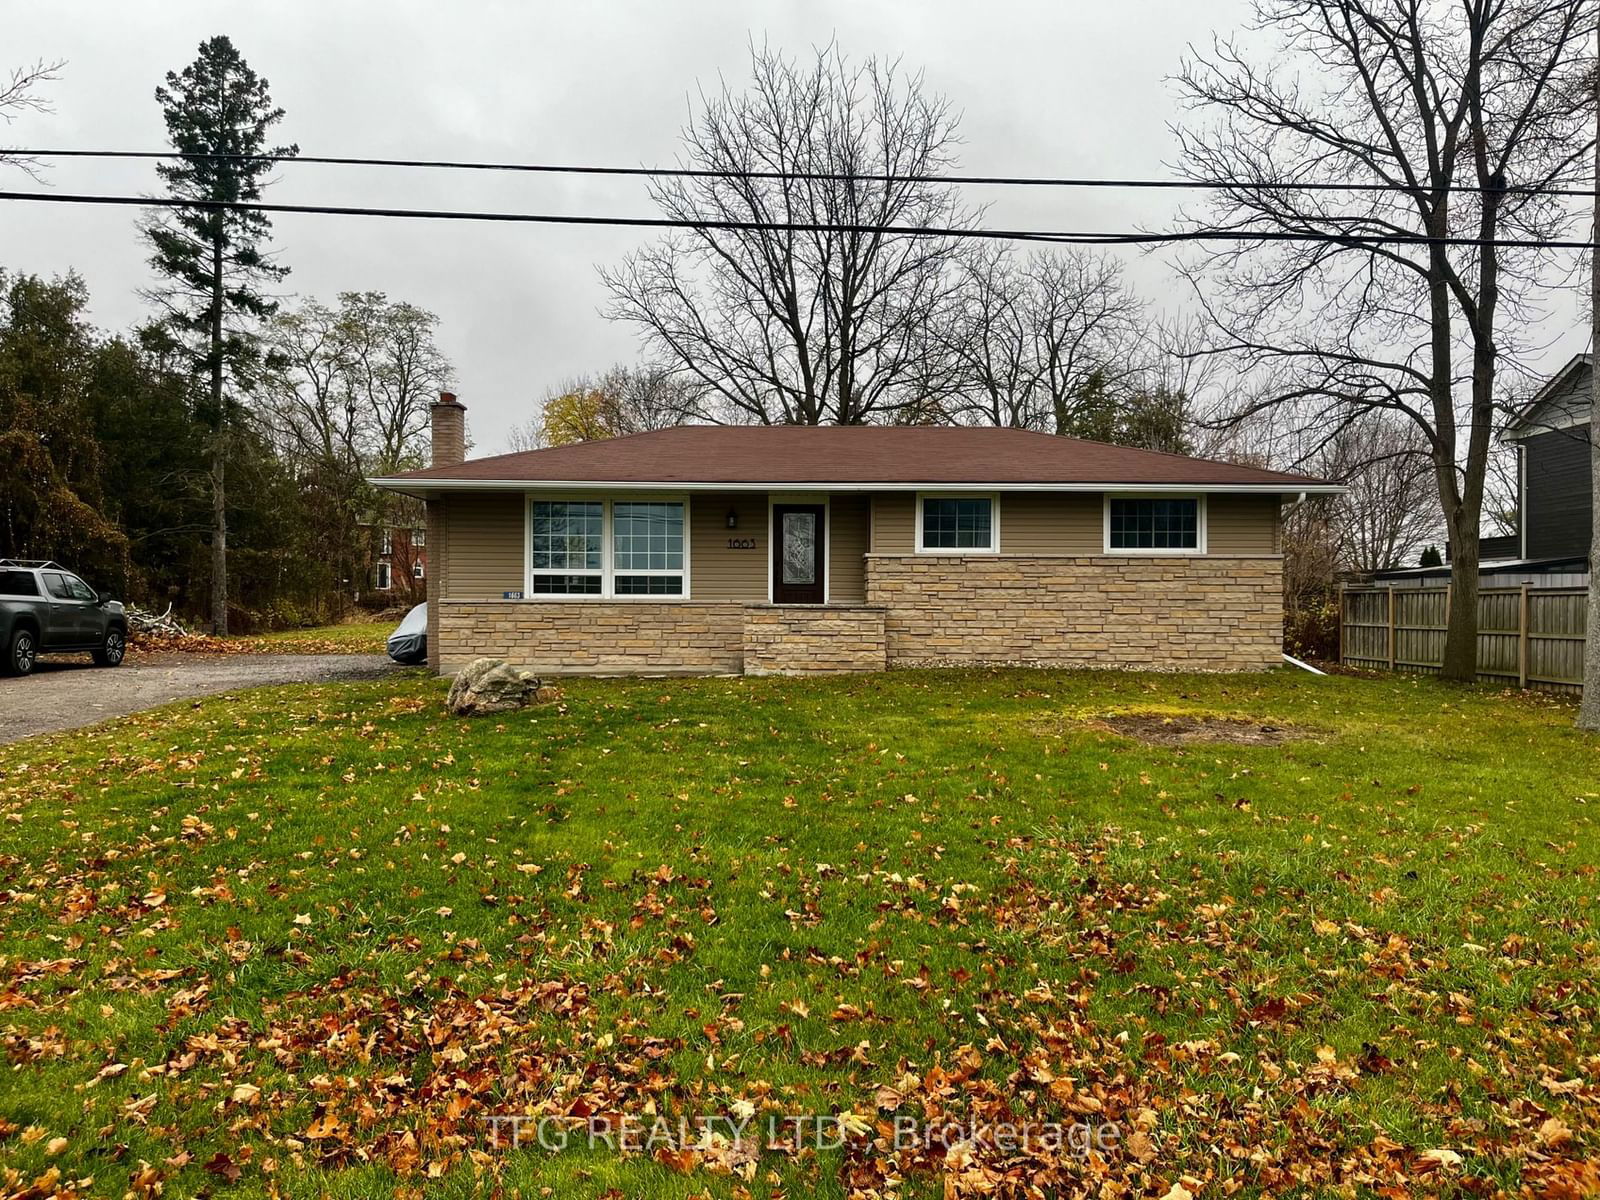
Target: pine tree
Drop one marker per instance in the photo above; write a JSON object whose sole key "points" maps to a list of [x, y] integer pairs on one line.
{"points": [[214, 259]]}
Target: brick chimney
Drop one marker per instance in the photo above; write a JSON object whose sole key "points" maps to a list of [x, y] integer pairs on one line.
{"points": [[449, 430]]}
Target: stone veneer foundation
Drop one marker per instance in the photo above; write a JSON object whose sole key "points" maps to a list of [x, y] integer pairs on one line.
{"points": [[784, 640], [600, 637], [1208, 612]]}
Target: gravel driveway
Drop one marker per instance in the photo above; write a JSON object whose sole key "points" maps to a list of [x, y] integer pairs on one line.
{"points": [[67, 693]]}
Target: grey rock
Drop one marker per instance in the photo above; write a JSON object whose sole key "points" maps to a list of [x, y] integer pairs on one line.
{"points": [[491, 685]]}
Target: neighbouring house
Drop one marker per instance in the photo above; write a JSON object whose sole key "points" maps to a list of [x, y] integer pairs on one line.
{"points": [[767, 549], [397, 566], [1554, 475], [1550, 434]]}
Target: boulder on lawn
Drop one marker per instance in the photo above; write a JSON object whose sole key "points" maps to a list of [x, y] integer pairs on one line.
{"points": [[492, 685]]}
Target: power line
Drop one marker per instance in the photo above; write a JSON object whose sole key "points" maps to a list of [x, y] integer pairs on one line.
{"points": [[1025, 235], [1140, 238], [816, 176]]}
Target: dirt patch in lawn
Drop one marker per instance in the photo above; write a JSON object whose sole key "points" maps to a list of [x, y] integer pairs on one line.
{"points": [[1167, 730]]}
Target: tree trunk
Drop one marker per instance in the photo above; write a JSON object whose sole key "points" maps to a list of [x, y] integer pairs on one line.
{"points": [[1461, 623], [1589, 710], [219, 440], [219, 536]]}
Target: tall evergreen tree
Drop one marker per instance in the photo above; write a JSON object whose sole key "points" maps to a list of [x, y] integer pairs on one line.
{"points": [[214, 259]]}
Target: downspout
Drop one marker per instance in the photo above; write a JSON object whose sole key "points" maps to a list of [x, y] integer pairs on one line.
{"points": [[1302, 664], [1289, 658]]}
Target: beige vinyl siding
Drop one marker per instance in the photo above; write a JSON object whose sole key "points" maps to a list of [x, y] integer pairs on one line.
{"points": [[894, 522], [1033, 523], [1051, 523], [848, 529], [483, 546], [1242, 524], [716, 571], [1030, 523]]}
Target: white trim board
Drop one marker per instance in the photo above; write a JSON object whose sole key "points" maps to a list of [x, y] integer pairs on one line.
{"points": [[421, 486]]}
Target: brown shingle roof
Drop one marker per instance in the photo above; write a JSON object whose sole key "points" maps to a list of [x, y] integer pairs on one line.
{"points": [[853, 455]]}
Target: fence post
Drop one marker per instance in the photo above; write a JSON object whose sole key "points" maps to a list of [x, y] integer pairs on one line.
{"points": [[1522, 638], [1391, 627], [1344, 601]]}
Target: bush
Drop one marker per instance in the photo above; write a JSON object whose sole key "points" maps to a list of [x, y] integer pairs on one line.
{"points": [[1312, 630]]}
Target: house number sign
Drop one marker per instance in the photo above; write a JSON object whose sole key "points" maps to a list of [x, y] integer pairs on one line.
{"points": [[747, 543]]}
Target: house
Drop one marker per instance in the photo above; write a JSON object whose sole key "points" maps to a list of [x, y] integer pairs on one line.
{"points": [[761, 549], [1551, 434], [397, 566]]}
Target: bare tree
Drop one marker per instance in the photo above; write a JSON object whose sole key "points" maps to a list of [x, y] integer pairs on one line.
{"points": [[622, 400], [352, 385], [1502, 487], [527, 434], [1461, 113], [1589, 707], [1391, 510], [1036, 341], [346, 397], [19, 93], [802, 325]]}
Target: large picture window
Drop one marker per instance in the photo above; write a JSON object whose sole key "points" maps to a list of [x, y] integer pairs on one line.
{"points": [[647, 548], [1154, 525], [566, 547], [952, 524], [607, 548]]}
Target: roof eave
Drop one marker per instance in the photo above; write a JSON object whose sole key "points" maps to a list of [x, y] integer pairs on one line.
{"points": [[425, 487]]}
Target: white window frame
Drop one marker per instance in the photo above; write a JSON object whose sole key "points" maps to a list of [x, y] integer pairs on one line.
{"points": [[825, 500], [608, 571], [384, 579], [417, 569], [1200, 532], [610, 563], [994, 523]]}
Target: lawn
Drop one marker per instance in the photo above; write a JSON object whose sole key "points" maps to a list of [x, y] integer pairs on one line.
{"points": [[360, 637], [329, 941]]}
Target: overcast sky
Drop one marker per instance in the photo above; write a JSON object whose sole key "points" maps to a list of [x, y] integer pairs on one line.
{"points": [[1065, 88]]}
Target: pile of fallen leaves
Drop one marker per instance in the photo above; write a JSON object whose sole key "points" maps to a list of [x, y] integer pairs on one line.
{"points": [[152, 644]]}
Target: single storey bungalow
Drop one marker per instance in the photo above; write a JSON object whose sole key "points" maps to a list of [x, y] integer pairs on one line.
{"points": [[763, 549]]}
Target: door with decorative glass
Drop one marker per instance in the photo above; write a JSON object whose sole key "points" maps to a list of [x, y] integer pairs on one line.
{"points": [[799, 535]]}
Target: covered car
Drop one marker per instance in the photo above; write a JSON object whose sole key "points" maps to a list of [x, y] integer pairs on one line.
{"points": [[408, 644]]}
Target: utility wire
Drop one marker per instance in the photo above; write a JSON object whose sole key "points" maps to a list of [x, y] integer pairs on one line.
{"points": [[818, 176], [1026, 235]]}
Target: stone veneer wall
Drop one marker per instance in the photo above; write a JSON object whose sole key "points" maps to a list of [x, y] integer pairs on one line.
{"points": [[1205, 612], [644, 637], [813, 641]]}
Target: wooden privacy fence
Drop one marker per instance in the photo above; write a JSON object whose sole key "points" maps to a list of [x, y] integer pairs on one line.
{"points": [[1530, 636]]}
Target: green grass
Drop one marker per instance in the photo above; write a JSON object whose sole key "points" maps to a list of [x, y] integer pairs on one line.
{"points": [[362, 637], [315, 936]]}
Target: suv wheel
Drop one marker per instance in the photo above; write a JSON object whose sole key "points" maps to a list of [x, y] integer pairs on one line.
{"points": [[111, 649], [22, 654]]}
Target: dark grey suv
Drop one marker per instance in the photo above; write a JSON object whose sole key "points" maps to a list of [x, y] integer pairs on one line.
{"points": [[46, 609]]}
